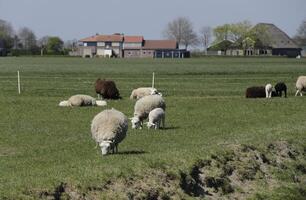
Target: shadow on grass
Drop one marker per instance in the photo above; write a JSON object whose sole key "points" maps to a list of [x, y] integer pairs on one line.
{"points": [[131, 152], [171, 128]]}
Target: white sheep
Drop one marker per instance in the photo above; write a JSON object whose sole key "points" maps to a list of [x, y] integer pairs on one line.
{"points": [[300, 85], [108, 129], [82, 100], [156, 118], [143, 91], [143, 107], [268, 89]]}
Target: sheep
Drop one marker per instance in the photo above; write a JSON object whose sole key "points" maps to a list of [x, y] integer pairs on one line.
{"points": [[268, 90], [279, 87], [143, 107], [108, 129], [107, 89], [82, 100], [143, 91], [300, 85], [255, 92], [156, 117]]}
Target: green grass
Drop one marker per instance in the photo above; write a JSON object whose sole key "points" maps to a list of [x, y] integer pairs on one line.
{"points": [[42, 145]]}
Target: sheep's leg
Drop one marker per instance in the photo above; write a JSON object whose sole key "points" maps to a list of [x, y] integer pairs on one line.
{"points": [[164, 117], [297, 92]]}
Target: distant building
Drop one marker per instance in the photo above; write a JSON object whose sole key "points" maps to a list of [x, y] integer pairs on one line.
{"points": [[219, 48], [121, 46], [276, 43]]}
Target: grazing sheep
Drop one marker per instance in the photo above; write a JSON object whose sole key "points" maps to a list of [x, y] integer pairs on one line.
{"points": [[255, 92], [107, 89], [268, 90], [156, 117], [82, 100], [300, 85], [108, 129], [143, 107], [143, 91], [279, 88]]}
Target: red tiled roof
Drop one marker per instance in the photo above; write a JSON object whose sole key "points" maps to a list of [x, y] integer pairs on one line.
{"points": [[133, 39], [89, 39], [160, 44], [104, 38]]}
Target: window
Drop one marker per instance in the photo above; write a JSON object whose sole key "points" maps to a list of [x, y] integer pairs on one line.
{"points": [[108, 44]]}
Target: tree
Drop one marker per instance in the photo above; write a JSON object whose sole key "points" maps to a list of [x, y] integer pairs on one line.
{"points": [[300, 37], [6, 34], [42, 44], [27, 39], [181, 30], [232, 31], [222, 33], [55, 45], [205, 36]]}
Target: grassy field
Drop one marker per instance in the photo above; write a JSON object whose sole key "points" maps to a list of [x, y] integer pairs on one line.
{"points": [[45, 149]]}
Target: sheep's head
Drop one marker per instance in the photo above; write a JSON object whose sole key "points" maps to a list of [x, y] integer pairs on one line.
{"points": [[150, 125], [106, 146], [63, 103], [136, 123], [155, 92]]}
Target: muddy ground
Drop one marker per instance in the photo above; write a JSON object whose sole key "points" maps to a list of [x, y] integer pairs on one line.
{"points": [[240, 172]]}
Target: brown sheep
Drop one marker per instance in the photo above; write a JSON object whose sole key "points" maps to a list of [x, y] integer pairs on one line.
{"points": [[257, 92], [107, 89]]}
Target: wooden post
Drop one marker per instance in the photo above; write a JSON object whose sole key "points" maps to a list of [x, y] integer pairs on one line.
{"points": [[18, 81], [153, 80]]}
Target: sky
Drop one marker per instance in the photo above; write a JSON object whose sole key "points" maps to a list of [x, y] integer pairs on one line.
{"points": [[77, 19]]}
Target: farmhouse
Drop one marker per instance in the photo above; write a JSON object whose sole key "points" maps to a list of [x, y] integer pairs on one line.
{"points": [[270, 40], [121, 46]]}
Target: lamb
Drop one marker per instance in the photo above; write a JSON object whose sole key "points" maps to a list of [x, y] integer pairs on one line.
{"points": [[279, 88], [107, 89], [82, 100], [300, 85], [108, 129], [143, 107], [156, 117], [268, 90], [143, 91]]}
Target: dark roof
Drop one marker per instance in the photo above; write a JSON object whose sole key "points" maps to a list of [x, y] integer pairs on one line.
{"points": [[160, 44], [277, 37]]}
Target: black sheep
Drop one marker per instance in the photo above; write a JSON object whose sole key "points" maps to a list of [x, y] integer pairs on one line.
{"points": [[279, 88], [107, 89]]}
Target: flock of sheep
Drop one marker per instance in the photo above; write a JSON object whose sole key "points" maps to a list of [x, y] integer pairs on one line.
{"points": [[109, 127], [268, 92]]}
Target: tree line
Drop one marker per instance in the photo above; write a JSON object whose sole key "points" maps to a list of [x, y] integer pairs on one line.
{"points": [[242, 33], [25, 42]]}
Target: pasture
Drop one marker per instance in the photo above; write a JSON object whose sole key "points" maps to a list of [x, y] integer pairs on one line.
{"points": [[45, 149]]}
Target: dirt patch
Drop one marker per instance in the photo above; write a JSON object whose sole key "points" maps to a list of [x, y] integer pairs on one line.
{"points": [[237, 173], [240, 172]]}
